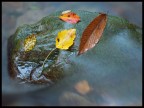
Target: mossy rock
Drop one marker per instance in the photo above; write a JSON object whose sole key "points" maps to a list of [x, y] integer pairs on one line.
{"points": [[119, 49]]}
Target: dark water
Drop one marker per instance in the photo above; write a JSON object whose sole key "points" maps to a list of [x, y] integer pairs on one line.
{"points": [[16, 14]]}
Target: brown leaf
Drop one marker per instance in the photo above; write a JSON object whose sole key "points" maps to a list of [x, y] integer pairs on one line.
{"points": [[92, 33]]}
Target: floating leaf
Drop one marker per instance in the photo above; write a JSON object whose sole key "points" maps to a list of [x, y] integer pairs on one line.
{"points": [[92, 33], [65, 38], [69, 17], [29, 42]]}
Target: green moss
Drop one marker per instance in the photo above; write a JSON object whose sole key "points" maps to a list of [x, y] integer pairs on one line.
{"points": [[119, 38]]}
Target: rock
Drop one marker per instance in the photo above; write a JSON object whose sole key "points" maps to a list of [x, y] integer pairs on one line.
{"points": [[119, 48]]}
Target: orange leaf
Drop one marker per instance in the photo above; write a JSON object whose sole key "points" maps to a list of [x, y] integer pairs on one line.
{"points": [[70, 17], [92, 33], [83, 87]]}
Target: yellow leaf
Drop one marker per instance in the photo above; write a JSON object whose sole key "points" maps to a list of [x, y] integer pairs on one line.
{"points": [[29, 42], [65, 38]]}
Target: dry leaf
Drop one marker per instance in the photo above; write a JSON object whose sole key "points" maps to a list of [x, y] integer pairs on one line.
{"points": [[69, 17], [29, 42], [65, 38], [92, 33], [83, 87], [67, 11]]}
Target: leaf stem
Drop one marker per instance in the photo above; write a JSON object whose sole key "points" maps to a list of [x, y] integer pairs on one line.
{"points": [[46, 59]]}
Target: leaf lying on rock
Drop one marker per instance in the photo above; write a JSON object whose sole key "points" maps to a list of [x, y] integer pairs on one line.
{"points": [[29, 42], [92, 33], [69, 17], [65, 39], [67, 11]]}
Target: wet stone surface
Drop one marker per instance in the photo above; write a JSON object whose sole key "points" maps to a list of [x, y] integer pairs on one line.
{"points": [[28, 65]]}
